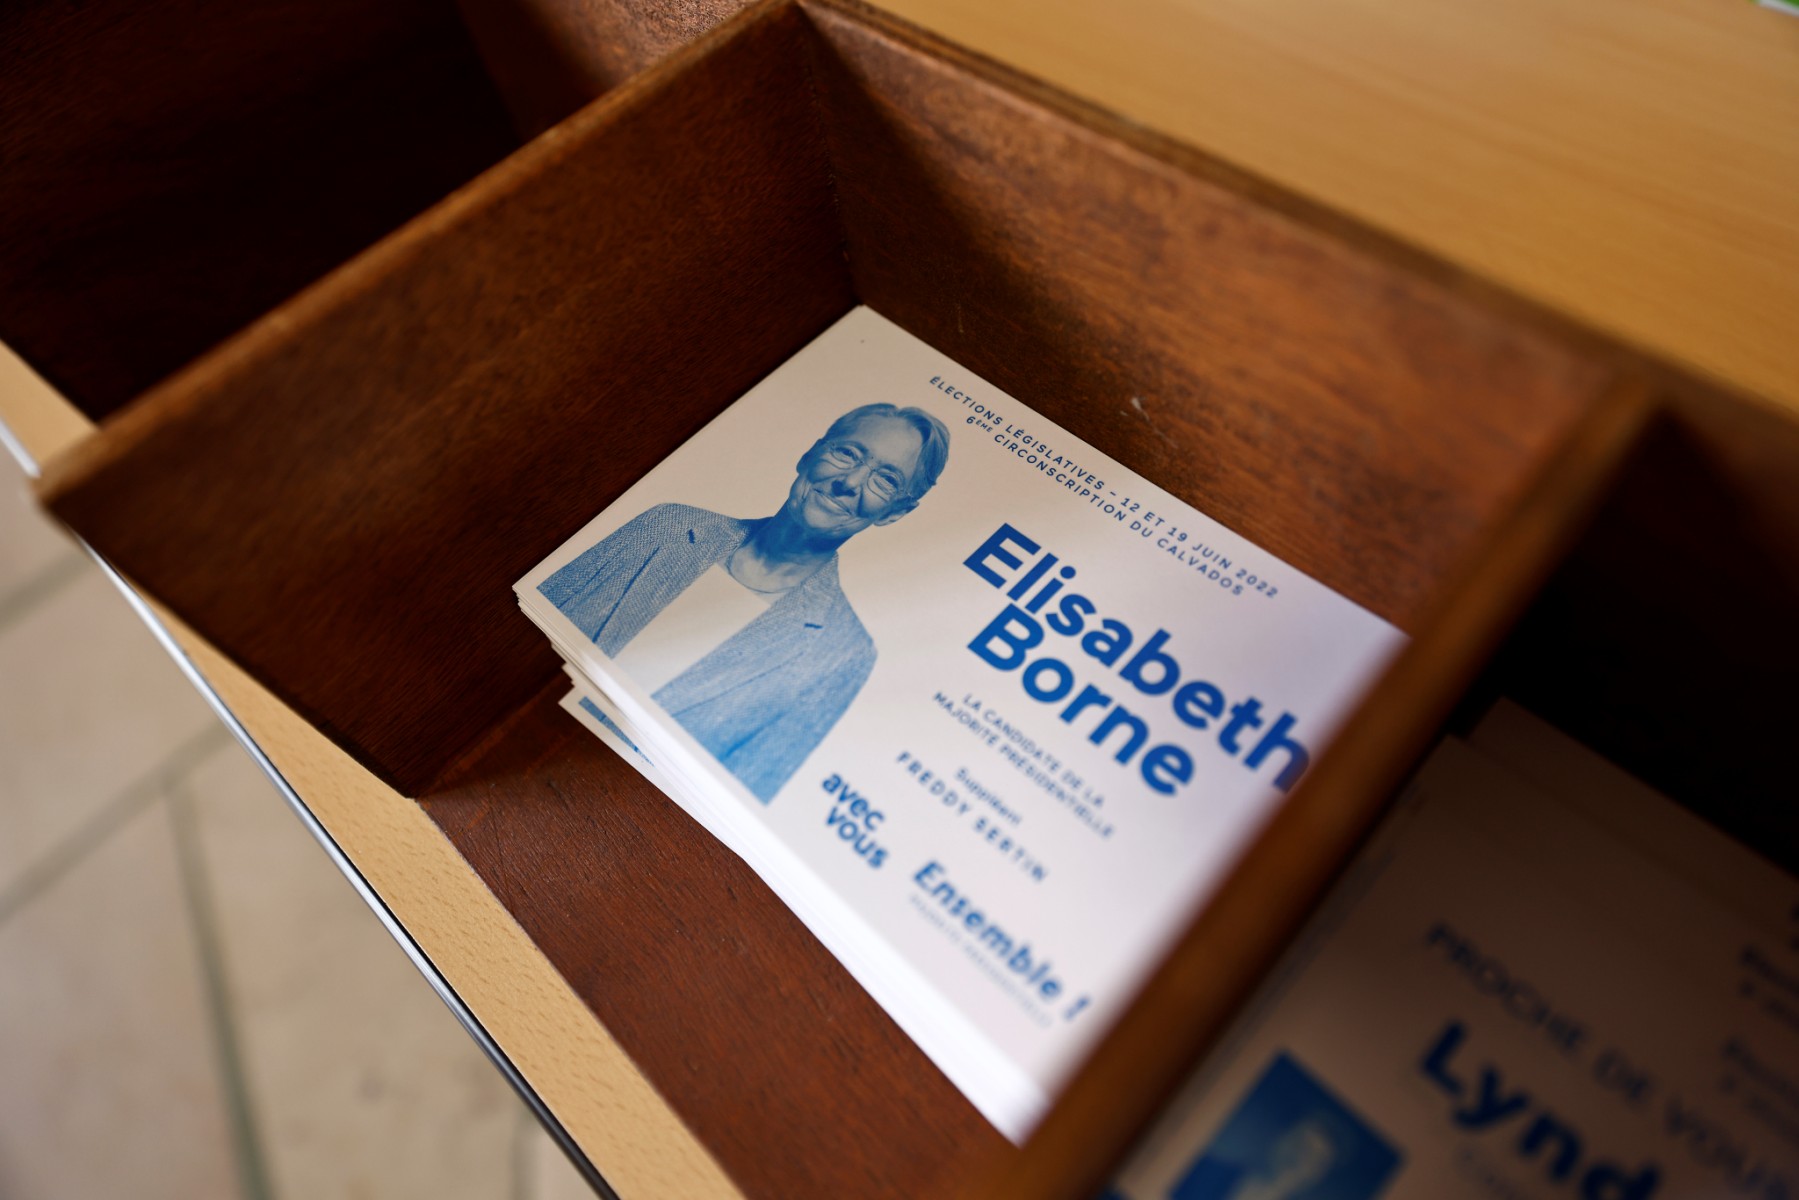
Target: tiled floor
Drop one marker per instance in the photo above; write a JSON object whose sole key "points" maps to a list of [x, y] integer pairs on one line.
{"points": [[193, 1003]]}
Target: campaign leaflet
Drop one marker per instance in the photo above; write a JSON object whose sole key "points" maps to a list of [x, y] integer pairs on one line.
{"points": [[1513, 996], [990, 712]]}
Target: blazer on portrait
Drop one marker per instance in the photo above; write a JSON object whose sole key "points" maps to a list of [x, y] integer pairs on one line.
{"points": [[761, 701]]}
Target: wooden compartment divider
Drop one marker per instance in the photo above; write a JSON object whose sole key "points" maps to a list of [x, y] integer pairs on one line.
{"points": [[550, 57], [421, 420], [173, 170], [341, 496]]}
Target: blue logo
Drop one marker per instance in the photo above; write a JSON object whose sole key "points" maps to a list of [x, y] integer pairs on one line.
{"points": [[1290, 1139]]}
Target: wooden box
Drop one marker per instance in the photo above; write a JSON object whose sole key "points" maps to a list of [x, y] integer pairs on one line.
{"points": [[341, 495]]}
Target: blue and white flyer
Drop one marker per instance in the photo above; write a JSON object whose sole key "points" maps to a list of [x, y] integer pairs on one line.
{"points": [[992, 714], [1542, 981]]}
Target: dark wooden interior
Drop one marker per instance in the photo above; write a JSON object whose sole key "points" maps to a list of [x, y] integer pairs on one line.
{"points": [[341, 496], [174, 170], [1666, 642], [550, 57]]}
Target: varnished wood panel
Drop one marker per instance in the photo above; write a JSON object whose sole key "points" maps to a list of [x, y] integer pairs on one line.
{"points": [[1630, 162], [549, 57], [342, 497], [171, 170], [797, 1082], [1332, 396]]}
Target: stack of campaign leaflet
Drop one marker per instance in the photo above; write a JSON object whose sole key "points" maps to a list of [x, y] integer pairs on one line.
{"points": [[990, 713], [1541, 981]]}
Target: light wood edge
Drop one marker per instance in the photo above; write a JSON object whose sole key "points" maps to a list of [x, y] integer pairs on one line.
{"points": [[1630, 163], [1201, 985], [584, 1076], [37, 422]]}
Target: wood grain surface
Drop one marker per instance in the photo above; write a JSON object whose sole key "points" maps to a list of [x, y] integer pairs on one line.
{"points": [[171, 171], [1349, 405], [797, 1082], [1630, 162], [549, 57]]}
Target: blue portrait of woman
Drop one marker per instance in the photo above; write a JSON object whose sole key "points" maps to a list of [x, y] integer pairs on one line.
{"points": [[738, 628]]}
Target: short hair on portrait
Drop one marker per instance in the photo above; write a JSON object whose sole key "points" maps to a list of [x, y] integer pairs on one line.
{"points": [[931, 456]]}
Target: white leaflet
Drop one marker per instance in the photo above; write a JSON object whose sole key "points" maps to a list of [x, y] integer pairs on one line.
{"points": [[890, 710]]}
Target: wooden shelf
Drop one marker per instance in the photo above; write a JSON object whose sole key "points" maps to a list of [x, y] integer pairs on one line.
{"points": [[377, 459]]}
